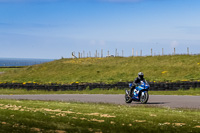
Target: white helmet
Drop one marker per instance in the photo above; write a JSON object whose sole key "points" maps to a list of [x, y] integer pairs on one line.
{"points": [[140, 75]]}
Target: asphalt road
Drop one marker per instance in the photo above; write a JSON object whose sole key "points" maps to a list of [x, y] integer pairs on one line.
{"points": [[171, 101]]}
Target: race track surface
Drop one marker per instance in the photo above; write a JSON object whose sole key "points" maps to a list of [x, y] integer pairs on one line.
{"points": [[171, 101]]}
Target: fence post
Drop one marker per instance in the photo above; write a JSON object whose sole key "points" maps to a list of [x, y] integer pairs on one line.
{"points": [[83, 54], [132, 51], [89, 53], [73, 56], [174, 51]]}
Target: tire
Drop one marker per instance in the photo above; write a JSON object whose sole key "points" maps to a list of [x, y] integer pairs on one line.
{"points": [[144, 99], [127, 98]]}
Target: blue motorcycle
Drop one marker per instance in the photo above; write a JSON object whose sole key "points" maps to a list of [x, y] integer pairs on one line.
{"points": [[140, 93]]}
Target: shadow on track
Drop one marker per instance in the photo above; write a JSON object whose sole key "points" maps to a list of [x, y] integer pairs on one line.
{"points": [[153, 103]]}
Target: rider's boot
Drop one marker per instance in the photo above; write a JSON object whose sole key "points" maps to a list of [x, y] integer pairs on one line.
{"points": [[130, 93]]}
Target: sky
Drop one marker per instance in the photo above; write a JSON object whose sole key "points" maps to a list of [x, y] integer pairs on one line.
{"points": [[51, 29]]}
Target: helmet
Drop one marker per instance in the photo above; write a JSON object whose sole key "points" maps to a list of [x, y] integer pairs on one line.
{"points": [[140, 75]]}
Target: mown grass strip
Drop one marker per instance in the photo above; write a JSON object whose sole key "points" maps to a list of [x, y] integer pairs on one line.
{"points": [[38, 116], [7, 91]]}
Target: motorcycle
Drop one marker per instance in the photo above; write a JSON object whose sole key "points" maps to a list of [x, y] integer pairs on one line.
{"points": [[140, 93]]}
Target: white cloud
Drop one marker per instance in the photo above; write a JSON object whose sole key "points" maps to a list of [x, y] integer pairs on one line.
{"points": [[174, 44], [99, 42], [92, 42], [102, 42]]}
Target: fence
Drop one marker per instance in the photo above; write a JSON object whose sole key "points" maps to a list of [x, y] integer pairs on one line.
{"points": [[117, 53], [120, 85]]}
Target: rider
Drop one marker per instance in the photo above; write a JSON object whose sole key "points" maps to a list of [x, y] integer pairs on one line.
{"points": [[136, 81]]}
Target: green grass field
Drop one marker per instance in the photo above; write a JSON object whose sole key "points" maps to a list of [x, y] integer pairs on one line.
{"points": [[109, 70], [7, 69], [3, 91], [60, 117]]}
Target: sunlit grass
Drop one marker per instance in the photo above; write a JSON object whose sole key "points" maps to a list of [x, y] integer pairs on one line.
{"points": [[7, 69], [109, 70], [38, 116]]}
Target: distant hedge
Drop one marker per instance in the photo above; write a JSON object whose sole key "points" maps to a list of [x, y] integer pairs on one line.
{"points": [[120, 85]]}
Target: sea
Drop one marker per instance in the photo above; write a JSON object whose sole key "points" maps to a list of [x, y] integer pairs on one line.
{"points": [[9, 62]]}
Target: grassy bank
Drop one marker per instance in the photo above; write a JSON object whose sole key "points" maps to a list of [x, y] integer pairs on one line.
{"points": [[109, 70], [58, 117], [4, 69], [194, 92]]}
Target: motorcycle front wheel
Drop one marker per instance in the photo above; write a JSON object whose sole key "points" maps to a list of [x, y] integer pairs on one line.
{"points": [[127, 98], [144, 96]]}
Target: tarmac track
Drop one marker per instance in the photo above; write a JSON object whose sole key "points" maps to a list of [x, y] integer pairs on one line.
{"points": [[171, 101]]}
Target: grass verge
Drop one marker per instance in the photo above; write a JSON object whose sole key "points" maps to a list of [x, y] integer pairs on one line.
{"points": [[194, 92], [60, 117]]}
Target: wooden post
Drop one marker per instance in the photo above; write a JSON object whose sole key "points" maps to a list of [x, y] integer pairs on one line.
{"points": [[132, 51], [83, 54], [72, 55], [89, 53], [188, 52], [174, 51], [79, 55], [151, 52]]}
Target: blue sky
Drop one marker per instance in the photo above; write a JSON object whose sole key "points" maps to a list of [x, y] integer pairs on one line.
{"points": [[54, 28]]}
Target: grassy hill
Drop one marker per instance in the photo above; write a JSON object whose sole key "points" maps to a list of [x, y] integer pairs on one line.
{"points": [[109, 70]]}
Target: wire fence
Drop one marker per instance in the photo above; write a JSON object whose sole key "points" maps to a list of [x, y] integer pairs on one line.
{"points": [[117, 53]]}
